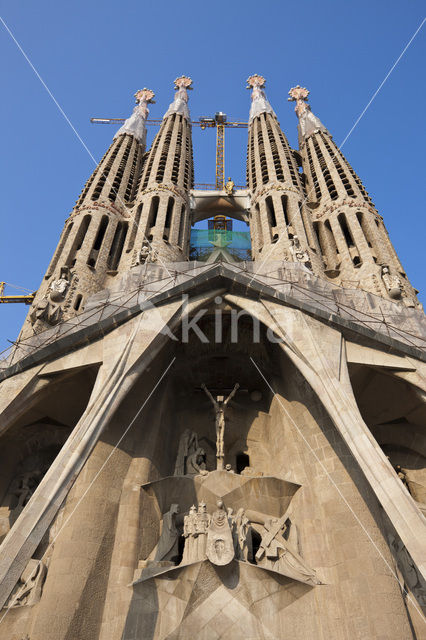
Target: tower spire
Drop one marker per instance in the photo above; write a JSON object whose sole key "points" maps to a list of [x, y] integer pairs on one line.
{"points": [[354, 243], [135, 124], [259, 101], [308, 122], [180, 102], [281, 225]]}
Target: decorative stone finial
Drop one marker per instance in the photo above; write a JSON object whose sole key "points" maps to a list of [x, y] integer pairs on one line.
{"points": [[183, 82], [255, 81], [308, 122], [180, 103], [144, 95], [300, 96], [135, 125], [259, 101]]}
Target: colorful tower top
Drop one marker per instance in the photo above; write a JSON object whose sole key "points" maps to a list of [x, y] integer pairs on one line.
{"points": [[180, 102], [308, 122], [135, 125], [259, 101]]}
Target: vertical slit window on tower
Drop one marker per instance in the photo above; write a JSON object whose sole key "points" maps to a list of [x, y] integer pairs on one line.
{"points": [[330, 236], [306, 228], [153, 213], [258, 226], [318, 236], [78, 301], [345, 229], [93, 256], [117, 245], [270, 211], [353, 250], [284, 204], [169, 213], [78, 241], [181, 226], [135, 227]]}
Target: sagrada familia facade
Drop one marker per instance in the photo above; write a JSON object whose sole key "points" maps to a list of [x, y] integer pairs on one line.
{"points": [[221, 448]]}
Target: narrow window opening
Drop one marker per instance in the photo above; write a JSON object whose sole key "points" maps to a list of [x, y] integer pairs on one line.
{"points": [[78, 241], [135, 227], [117, 246], [155, 202], [181, 226], [284, 203], [101, 233], [169, 213], [93, 256], [270, 211], [242, 461], [345, 229], [77, 302]]}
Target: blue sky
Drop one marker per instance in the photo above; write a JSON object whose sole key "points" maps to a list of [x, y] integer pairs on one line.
{"points": [[93, 56]]}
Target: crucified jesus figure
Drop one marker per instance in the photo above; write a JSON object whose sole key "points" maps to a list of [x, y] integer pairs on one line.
{"points": [[220, 405]]}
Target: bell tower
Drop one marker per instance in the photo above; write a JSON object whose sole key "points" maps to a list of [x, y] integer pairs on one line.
{"points": [[161, 211], [355, 245], [281, 227], [91, 244]]}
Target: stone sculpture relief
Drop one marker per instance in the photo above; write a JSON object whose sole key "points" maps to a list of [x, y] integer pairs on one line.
{"points": [[28, 590], [58, 288], [49, 308], [146, 255], [167, 548], [219, 405], [254, 527], [298, 253], [275, 553], [195, 527], [196, 462], [188, 446], [220, 544], [223, 536], [392, 283]]}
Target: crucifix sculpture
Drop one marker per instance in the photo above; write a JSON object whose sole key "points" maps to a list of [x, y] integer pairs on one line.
{"points": [[220, 404]]}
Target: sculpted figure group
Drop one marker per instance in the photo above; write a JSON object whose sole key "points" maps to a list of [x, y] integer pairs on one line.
{"points": [[224, 535]]}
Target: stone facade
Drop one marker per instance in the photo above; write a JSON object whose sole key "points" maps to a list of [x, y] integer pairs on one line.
{"points": [[230, 450]]}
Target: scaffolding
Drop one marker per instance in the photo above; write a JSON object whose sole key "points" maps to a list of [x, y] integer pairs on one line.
{"points": [[379, 316]]}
